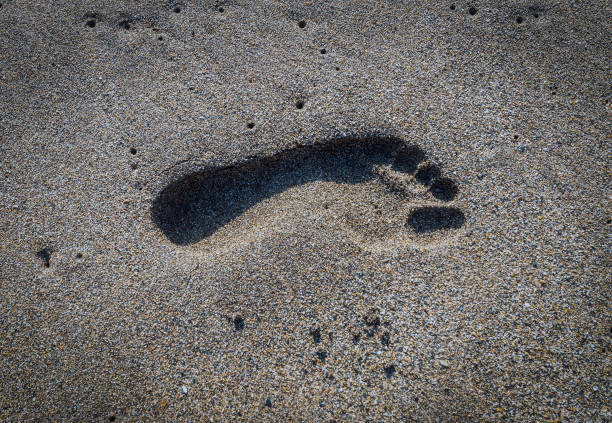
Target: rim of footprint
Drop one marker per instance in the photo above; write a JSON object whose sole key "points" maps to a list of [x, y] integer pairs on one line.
{"points": [[379, 190]]}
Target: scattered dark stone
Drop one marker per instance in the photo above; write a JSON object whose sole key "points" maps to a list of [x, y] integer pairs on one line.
{"points": [[268, 402], [160, 38], [323, 51], [250, 125], [111, 418], [134, 166], [389, 371], [452, 6], [472, 11], [79, 255], [337, 68], [221, 10], [299, 104], [177, 10], [519, 20], [132, 150], [238, 323], [302, 24]]}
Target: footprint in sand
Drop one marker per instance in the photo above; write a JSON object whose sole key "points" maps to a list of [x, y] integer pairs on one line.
{"points": [[377, 190]]}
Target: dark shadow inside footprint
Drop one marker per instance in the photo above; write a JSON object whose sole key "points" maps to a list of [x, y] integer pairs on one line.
{"points": [[197, 205], [444, 189], [430, 219], [408, 159], [427, 173]]}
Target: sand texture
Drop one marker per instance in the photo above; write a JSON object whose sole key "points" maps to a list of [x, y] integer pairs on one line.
{"points": [[317, 211]]}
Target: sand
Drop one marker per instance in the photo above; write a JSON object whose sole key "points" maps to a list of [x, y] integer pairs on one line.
{"points": [[305, 211]]}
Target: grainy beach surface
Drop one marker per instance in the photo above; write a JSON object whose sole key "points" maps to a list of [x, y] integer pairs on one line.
{"points": [[305, 211]]}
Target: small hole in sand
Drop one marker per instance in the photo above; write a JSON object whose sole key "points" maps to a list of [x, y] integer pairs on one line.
{"points": [[177, 10], [250, 125], [516, 137], [385, 338], [125, 25], [299, 104], [238, 323], [536, 15], [316, 335], [111, 419], [160, 38], [472, 11], [221, 10], [45, 256], [337, 68], [519, 20], [132, 150], [452, 6], [323, 51], [91, 23], [389, 371], [302, 24]]}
